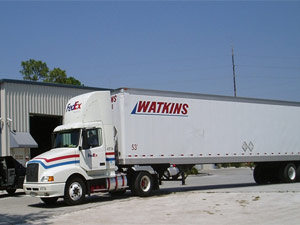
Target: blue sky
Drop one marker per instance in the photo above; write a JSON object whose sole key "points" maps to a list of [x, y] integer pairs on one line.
{"points": [[165, 45]]}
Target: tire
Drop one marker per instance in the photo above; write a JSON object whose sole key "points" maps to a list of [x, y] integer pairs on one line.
{"points": [[11, 191], [75, 191], [143, 184], [258, 174], [288, 173], [49, 201], [298, 173]]}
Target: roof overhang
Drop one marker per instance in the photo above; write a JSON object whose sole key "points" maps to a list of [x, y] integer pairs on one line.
{"points": [[22, 140]]}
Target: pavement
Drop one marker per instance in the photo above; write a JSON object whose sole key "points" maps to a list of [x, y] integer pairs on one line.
{"points": [[234, 204], [225, 196], [193, 208]]}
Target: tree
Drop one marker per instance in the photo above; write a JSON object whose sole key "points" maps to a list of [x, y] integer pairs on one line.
{"points": [[34, 70], [38, 71], [72, 80], [56, 76]]}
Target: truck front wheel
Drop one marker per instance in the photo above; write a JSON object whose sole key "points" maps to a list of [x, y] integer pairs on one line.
{"points": [[143, 184], [75, 191]]}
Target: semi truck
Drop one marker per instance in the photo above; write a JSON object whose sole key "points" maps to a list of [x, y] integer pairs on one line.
{"points": [[12, 174], [113, 141]]}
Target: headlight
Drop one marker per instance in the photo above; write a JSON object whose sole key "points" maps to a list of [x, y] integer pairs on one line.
{"points": [[47, 178]]}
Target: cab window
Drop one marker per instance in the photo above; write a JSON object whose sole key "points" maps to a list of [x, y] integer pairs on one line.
{"points": [[94, 137]]}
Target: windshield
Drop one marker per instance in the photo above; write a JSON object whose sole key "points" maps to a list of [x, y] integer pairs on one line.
{"points": [[66, 139]]}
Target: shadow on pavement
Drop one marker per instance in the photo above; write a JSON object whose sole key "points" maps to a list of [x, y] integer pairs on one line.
{"points": [[88, 200], [26, 219], [18, 194], [208, 188]]}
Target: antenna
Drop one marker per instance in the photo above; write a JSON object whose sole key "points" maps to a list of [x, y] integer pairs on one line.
{"points": [[233, 71]]}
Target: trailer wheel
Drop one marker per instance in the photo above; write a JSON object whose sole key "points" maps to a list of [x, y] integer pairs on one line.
{"points": [[288, 173], [258, 174], [11, 191], [75, 191], [143, 184], [298, 173], [49, 201]]}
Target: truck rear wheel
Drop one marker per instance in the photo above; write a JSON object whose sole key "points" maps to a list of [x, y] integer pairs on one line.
{"points": [[143, 184], [288, 173], [298, 173], [258, 174], [75, 191]]}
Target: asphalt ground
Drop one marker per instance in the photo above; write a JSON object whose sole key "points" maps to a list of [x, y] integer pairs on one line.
{"points": [[221, 196]]}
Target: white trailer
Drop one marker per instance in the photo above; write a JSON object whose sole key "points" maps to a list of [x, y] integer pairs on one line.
{"points": [[137, 134]]}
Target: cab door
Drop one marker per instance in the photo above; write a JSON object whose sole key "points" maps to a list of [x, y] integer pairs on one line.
{"points": [[92, 156]]}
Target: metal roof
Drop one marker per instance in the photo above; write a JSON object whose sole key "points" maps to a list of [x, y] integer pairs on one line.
{"points": [[204, 96], [51, 84]]}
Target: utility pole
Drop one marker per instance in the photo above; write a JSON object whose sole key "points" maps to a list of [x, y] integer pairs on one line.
{"points": [[233, 70]]}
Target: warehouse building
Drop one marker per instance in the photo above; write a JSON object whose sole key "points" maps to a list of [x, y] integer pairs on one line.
{"points": [[29, 113]]}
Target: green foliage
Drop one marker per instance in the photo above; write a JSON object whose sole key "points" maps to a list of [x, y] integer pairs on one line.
{"points": [[38, 71], [56, 76], [34, 70], [193, 171], [72, 80]]}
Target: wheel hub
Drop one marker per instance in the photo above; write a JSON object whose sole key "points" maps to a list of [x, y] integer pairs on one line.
{"points": [[75, 191]]}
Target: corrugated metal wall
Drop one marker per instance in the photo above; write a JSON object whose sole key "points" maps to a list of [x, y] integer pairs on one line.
{"points": [[25, 99], [20, 99]]}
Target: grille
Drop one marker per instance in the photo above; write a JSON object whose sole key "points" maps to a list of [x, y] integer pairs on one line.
{"points": [[32, 172]]}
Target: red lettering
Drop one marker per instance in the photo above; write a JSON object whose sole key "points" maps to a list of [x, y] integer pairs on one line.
{"points": [[159, 106], [113, 98], [185, 109], [143, 106], [166, 108], [76, 105], [177, 108], [152, 107], [172, 107]]}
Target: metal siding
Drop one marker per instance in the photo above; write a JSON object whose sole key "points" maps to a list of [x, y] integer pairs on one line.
{"points": [[25, 99]]}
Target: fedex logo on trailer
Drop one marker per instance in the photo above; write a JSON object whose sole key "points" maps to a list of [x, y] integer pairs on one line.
{"points": [[160, 108], [76, 106]]}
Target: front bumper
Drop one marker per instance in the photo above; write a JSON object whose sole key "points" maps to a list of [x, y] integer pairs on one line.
{"points": [[44, 190]]}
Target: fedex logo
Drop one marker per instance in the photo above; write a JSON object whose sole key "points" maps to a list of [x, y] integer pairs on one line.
{"points": [[76, 106], [92, 155], [160, 108]]}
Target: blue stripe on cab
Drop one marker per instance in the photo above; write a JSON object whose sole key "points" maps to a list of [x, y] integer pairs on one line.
{"points": [[110, 159], [55, 165]]}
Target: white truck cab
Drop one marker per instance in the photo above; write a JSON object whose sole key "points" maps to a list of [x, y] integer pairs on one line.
{"points": [[83, 150]]}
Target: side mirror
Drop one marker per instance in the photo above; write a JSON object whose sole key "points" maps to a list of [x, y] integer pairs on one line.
{"points": [[84, 139], [53, 140]]}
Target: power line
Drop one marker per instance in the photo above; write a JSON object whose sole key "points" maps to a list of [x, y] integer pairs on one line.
{"points": [[233, 71]]}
